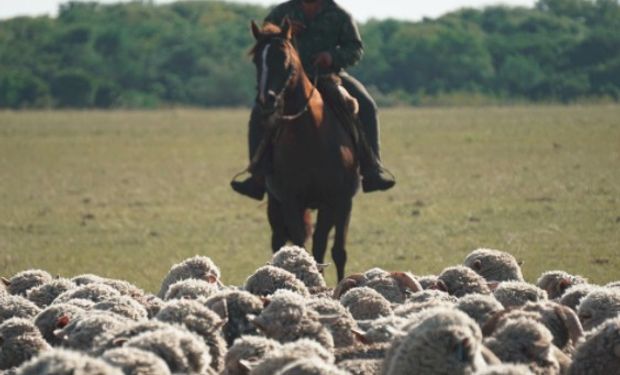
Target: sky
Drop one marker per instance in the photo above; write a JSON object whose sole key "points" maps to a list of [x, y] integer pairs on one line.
{"points": [[362, 10]]}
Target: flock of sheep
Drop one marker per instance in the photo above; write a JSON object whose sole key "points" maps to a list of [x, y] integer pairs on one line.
{"points": [[477, 318]]}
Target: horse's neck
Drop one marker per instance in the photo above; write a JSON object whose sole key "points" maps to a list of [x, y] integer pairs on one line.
{"points": [[302, 95]]}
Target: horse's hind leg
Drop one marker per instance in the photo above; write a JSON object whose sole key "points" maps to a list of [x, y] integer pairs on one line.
{"points": [[278, 227], [324, 223], [339, 252]]}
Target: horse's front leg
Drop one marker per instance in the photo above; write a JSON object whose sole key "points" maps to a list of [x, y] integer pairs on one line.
{"points": [[276, 221], [324, 223], [339, 252], [293, 215]]}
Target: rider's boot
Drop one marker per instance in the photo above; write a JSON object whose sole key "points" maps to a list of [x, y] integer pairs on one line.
{"points": [[374, 177], [253, 186]]}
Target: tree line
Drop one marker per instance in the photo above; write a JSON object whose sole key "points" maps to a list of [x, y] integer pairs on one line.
{"points": [[195, 53]]}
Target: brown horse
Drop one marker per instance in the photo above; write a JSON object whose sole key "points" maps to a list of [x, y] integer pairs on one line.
{"points": [[315, 165]]}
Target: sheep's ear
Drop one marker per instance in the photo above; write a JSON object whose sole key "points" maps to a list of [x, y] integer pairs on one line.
{"points": [[287, 28], [493, 284], [265, 300], [62, 321], [322, 266], [406, 280], [329, 319], [256, 31], [120, 341], [617, 350], [477, 265], [441, 285], [211, 279], [570, 321], [565, 283], [360, 335], [489, 327], [5, 281]]}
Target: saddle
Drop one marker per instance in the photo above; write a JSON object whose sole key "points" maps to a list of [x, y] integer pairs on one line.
{"points": [[344, 106]]}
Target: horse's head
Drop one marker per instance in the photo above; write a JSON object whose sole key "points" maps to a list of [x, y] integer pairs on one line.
{"points": [[277, 64]]}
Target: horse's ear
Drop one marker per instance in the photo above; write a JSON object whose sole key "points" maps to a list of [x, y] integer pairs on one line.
{"points": [[256, 30], [287, 28]]}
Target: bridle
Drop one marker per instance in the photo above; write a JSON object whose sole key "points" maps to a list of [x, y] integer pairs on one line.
{"points": [[279, 96]]}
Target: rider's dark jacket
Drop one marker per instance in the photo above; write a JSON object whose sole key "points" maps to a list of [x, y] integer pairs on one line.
{"points": [[332, 30]]}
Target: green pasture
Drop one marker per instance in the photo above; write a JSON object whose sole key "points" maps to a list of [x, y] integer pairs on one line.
{"points": [[126, 194]]}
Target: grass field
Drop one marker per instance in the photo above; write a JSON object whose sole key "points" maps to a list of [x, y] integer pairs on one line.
{"points": [[127, 194]]}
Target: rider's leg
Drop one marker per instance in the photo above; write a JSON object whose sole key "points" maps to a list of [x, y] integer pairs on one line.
{"points": [[253, 186], [374, 178]]}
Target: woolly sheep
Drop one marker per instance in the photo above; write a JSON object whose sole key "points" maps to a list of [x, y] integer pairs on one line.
{"points": [[366, 303], [45, 294], [494, 265], [115, 339], [527, 342], [291, 352], [311, 366], [181, 350], [407, 310], [87, 278], [82, 331], [598, 306], [561, 321], [444, 341], [16, 307], [460, 280], [431, 282], [555, 283], [55, 317], [247, 349], [124, 306], [480, 307], [337, 319], [381, 329], [393, 286], [362, 351], [430, 295], [300, 263], [23, 281], [190, 289], [234, 306], [197, 267], [20, 340], [95, 292], [266, 280], [574, 294], [65, 362], [506, 369], [518, 293], [600, 353], [613, 285], [287, 318], [361, 366], [125, 288], [136, 361], [200, 320]]}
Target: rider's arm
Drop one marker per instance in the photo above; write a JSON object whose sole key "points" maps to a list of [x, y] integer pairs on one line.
{"points": [[349, 50]]}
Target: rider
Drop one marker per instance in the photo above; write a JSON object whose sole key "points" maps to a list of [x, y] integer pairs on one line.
{"points": [[328, 41]]}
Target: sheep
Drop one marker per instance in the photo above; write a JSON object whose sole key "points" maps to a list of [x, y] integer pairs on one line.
{"points": [[200, 320], [81, 332], [574, 294], [431, 282], [518, 293], [266, 280], [310, 366], [87, 278], [613, 285], [506, 369], [297, 261], [494, 265], [44, 294], [15, 306], [95, 292], [20, 340], [247, 349], [124, 306], [66, 362], [366, 303], [234, 306], [393, 286], [598, 306], [362, 351], [181, 350], [430, 295], [190, 289], [287, 318], [480, 307], [555, 283], [443, 341], [55, 317], [407, 310], [136, 361], [197, 267], [381, 329], [151, 303], [291, 352], [23, 281], [337, 319], [527, 342], [125, 288], [114, 339], [600, 353], [460, 280], [361, 366]]}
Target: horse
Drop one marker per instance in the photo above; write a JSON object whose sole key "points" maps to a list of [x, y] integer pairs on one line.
{"points": [[314, 160]]}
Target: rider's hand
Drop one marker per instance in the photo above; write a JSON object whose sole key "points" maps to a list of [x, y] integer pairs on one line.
{"points": [[297, 26], [323, 60]]}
